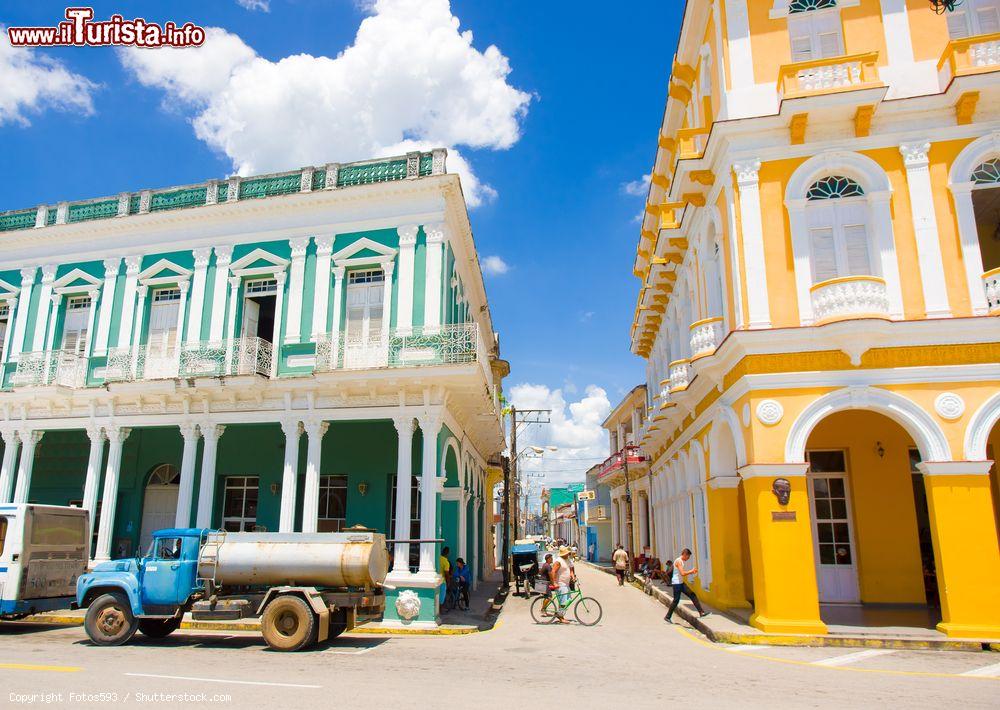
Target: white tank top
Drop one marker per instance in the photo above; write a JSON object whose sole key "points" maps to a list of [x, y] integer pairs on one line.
{"points": [[562, 576], [678, 578]]}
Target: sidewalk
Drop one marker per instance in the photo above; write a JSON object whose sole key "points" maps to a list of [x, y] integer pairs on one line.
{"points": [[723, 627], [480, 616]]}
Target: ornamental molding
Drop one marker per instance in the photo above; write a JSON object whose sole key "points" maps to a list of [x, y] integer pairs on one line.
{"points": [[746, 415], [408, 605], [202, 257], [324, 244], [769, 411], [243, 265], [299, 246], [747, 172], [346, 256], [949, 405], [915, 154], [62, 285], [111, 267], [152, 275], [407, 235]]}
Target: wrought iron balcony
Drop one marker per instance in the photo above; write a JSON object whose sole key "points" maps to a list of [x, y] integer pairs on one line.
{"points": [[827, 76], [417, 347], [51, 367], [705, 337], [630, 453], [991, 284], [148, 362], [971, 55], [849, 297], [221, 358]]}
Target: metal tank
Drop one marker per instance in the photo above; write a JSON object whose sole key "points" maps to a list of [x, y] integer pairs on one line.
{"points": [[350, 559]]}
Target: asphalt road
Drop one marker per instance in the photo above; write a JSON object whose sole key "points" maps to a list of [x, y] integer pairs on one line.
{"points": [[632, 657]]}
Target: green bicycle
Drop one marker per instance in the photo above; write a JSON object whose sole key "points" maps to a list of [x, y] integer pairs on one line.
{"points": [[586, 610]]}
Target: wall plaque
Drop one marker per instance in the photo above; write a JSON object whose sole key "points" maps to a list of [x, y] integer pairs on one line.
{"points": [[783, 516]]}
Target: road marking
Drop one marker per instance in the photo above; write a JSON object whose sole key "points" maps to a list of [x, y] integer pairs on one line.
{"points": [[30, 667], [357, 652], [222, 680], [849, 658], [985, 672], [743, 648]]}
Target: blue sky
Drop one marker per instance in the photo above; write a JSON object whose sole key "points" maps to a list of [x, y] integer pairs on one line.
{"points": [[595, 76]]}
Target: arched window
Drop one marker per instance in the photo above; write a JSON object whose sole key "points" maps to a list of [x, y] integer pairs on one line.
{"points": [[165, 475], [837, 215], [807, 5], [987, 173]]}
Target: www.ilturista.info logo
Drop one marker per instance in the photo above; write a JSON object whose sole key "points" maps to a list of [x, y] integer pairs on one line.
{"points": [[79, 30]]}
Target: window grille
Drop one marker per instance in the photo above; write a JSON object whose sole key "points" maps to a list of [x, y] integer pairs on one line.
{"points": [[987, 173], [834, 187], [78, 303], [369, 276], [165, 295], [807, 5], [261, 287]]}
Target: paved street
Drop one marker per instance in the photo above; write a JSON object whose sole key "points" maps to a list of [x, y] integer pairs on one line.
{"points": [[632, 655]]}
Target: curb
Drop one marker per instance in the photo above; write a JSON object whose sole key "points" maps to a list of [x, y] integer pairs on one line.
{"points": [[762, 639]]}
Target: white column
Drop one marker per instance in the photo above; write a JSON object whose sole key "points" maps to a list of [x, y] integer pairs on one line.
{"points": [[918, 179], [137, 327], [21, 319], [430, 426], [42, 326], [185, 493], [463, 525], [404, 477], [292, 429], [201, 259], [234, 287], [801, 258], [477, 549], [11, 443], [753, 243], [338, 295], [183, 287], [100, 340], [296, 287], [50, 323], [968, 235], [321, 289], [109, 501], [9, 332], [206, 489], [386, 302], [740, 54], [91, 319], [97, 438], [315, 429], [223, 257], [404, 309], [279, 319], [432, 283], [133, 265]]}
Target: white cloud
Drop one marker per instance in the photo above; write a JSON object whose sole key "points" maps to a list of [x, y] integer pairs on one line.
{"points": [[494, 265], [410, 79], [253, 5], [575, 430], [30, 82], [636, 188]]}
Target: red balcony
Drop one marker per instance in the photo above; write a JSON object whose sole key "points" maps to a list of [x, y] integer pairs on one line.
{"points": [[613, 463]]}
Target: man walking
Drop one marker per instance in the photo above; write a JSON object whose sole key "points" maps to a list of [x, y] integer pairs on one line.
{"points": [[620, 558], [677, 582]]}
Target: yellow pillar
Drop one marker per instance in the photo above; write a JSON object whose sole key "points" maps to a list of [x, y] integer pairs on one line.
{"points": [[786, 598], [728, 587], [966, 552]]}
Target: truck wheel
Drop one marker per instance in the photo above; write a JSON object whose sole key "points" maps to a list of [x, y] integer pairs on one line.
{"points": [[289, 624], [109, 620], [338, 623], [158, 628]]}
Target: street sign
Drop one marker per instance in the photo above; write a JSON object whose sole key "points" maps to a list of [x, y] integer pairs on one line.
{"points": [[586, 495], [575, 487]]}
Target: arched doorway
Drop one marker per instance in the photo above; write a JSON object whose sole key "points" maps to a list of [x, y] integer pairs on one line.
{"points": [[871, 532], [159, 502]]}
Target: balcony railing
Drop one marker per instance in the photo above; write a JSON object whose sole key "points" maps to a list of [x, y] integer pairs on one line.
{"points": [[680, 375], [332, 176], [991, 284], [613, 463], [222, 358], [849, 297], [705, 337], [825, 76], [51, 367], [971, 55], [149, 362], [417, 347]]}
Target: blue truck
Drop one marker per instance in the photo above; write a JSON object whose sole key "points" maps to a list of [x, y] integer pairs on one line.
{"points": [[305, 587]]}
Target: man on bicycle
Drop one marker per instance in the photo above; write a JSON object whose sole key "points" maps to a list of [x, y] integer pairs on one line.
{"points": [[561, 576], [462, 578]]}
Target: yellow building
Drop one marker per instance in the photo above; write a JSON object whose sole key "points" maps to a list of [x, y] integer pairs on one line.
{"points": [[818, 309], [623, 425]]}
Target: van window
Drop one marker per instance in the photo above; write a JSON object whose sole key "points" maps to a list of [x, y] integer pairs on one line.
{"points": [[3, 533], [54, 529]]}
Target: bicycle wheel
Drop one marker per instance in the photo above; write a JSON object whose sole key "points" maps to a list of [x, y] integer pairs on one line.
{"points": [[543, 610], [588, 611]]}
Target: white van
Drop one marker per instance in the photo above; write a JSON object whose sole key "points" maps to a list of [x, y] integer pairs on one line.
{"points": [[43, 551]]}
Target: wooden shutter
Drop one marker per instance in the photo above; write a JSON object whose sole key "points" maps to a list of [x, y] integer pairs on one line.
{"points": [[800, 35], [827, 35], [75, 330], [822, 250], [958, 24], [852, 218], [987, 17]]}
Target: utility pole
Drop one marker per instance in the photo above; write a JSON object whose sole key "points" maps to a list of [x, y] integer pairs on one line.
{"points": [[505, 504], [512, 486], [628, 512]]}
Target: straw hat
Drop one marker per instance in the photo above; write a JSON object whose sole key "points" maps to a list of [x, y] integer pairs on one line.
{"points": [[564, 551]]}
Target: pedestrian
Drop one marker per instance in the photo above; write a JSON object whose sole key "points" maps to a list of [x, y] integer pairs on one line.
{"points": [[677, 582], [562, 576], [620, 558], [445, 565]]}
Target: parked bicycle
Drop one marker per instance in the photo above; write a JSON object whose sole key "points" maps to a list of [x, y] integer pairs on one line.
{"points": [[546, 609]]}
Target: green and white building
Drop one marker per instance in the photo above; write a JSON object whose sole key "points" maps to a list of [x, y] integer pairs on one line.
{"points": [[309, 350]]}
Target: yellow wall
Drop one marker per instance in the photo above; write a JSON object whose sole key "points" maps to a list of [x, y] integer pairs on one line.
{"points": [[928, 30], [884, 516], [942, 155], [778, 260]]}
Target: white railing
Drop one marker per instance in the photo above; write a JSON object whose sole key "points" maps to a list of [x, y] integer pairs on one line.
{"points": [[418, 347], [817, 76], [680, 375], [849, 297], [148, 362], [991, 284], [705, 336], [221, 358], [985, 54], [51, 367]]}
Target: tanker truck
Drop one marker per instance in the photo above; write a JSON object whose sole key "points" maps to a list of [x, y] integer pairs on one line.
{"points": [[305, 587]]}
